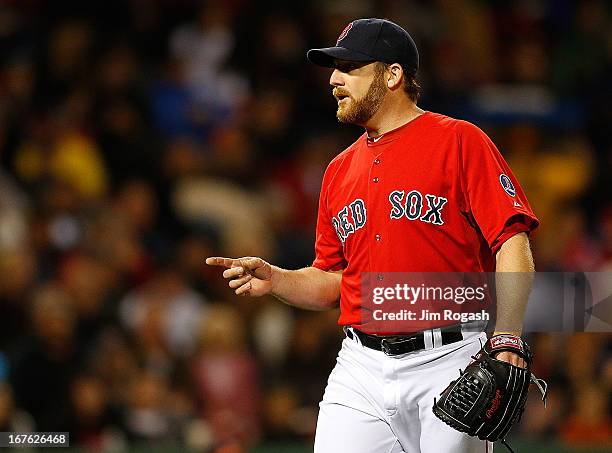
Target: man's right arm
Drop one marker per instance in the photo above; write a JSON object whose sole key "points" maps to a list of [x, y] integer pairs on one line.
{"points": [[308, 288]]}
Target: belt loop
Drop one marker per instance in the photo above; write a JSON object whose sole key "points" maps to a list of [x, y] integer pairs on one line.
{"points": [[437, 338], [355, 336], [350, 333], [428, 339]]}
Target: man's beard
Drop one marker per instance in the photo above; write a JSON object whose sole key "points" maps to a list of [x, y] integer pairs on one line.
{"points": [[361, 110]]}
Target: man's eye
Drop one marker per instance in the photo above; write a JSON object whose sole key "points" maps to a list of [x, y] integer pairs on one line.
{"points": [[346, 67]]}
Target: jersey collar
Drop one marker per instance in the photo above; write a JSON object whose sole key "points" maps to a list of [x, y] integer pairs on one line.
{"points": [[392, 134]]}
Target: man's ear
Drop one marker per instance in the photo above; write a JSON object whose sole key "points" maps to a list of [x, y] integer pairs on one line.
{"points": [[395, 74]]}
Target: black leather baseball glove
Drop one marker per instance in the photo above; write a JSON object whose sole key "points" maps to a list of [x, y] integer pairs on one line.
{"points": [[489, 396]]}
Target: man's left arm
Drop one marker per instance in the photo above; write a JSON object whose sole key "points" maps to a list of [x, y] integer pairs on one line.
{"points": [[514, 278]]}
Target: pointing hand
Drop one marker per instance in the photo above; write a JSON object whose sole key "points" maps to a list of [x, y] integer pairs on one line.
{"points": [[248, 276]]}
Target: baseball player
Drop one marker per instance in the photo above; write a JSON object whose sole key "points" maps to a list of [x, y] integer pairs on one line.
{"points": [[417, 192]]}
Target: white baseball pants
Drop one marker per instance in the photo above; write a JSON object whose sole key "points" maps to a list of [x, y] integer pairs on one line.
{"points": [[375, 403]]}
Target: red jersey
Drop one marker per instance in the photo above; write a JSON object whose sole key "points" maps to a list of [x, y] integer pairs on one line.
{"points": [[434, 195]]}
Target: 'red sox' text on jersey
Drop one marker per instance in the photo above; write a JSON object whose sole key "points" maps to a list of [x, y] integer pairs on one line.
{"points": [[434, 195]]}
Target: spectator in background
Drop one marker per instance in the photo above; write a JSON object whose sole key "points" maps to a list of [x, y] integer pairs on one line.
{"points": [[164, 316], [146, 419], [17, 276], [226, 378], [12, 418], [589, 422], [203, 48], [42, 368], [114, 360], [91, 423]]}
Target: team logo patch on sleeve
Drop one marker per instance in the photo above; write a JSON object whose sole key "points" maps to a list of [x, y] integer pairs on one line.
{"points": [[507, 185]]}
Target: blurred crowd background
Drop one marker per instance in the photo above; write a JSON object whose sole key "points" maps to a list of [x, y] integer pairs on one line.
{"points": [[138, 137]]}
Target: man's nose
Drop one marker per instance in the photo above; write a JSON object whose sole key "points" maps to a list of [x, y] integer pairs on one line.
{"points": [[336, 79]]}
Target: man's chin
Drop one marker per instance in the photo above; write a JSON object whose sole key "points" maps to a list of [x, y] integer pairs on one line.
{"points": [[343, 117]]}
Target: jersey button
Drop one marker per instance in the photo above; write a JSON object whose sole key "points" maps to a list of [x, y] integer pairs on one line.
{"points": [[377, 161], [380, 277], [378, 237], [375, 179]]}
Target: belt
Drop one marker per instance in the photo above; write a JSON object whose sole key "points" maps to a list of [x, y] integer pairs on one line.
{"points": [[403, 344]]}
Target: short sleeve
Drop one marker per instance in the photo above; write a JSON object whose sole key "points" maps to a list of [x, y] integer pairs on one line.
{"points": [[493, 195], [329, 253]]}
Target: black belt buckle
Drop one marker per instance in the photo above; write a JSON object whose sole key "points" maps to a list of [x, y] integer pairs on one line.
{"points": [[397, 346]]}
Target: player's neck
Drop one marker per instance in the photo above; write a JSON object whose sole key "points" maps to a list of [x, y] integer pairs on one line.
{"points": [[392, 114]]}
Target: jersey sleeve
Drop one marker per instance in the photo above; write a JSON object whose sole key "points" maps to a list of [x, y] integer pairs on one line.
{"points": [[329, 253], [493, 195]]}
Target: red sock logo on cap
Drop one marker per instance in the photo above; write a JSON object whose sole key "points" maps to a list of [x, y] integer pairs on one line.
{"points": [[344, 33]]}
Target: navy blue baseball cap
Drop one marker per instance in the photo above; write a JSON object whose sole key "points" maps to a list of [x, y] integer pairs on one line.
{"points": [[370, 40]]}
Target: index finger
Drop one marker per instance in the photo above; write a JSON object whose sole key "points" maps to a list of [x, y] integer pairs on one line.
{"points": [[220, 261]]}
